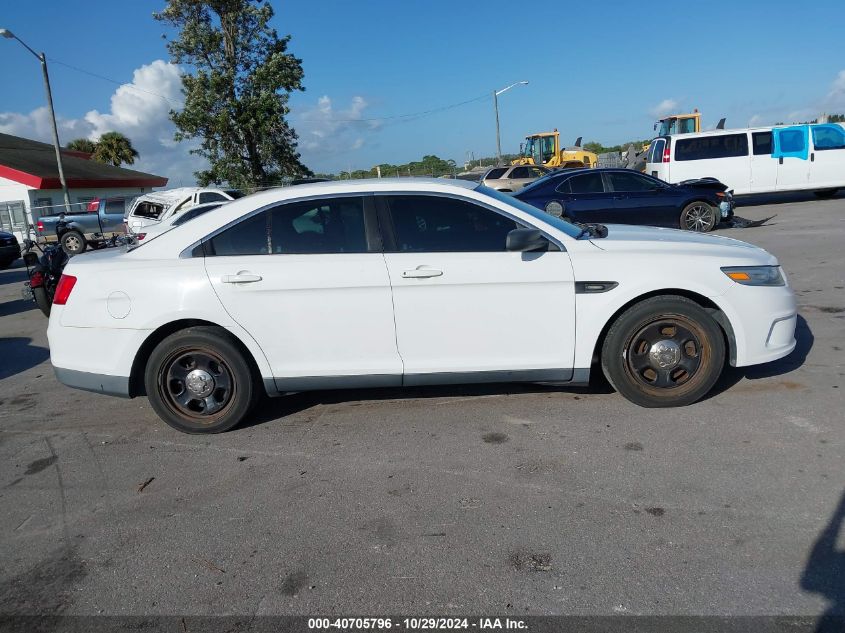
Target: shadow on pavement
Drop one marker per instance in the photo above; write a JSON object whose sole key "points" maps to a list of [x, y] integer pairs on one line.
{"points": [[754, 200], [18, 355], [16, 307], [13, 275], [824, 573], [277, 408], [803, 344]]}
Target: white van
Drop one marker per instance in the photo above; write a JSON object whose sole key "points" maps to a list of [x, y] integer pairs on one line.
{"points": [[158, 206], [756, 160]]}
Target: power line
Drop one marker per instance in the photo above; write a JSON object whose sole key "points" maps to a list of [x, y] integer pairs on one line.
{"points": [[113, 81]]}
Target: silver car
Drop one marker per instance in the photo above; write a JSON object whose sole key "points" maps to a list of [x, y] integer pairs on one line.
{"points": [[513, 177]]}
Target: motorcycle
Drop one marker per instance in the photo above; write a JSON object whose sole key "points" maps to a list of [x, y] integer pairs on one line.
{"points": [[43, 272]]}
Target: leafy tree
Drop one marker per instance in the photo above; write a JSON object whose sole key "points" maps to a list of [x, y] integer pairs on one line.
{"points": [[113, 148], [82, 145], [236, 97]]}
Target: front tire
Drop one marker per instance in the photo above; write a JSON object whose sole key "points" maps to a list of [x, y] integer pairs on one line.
{"points": [[663, 352], [198, 381], [73, 243], [699, 217]]}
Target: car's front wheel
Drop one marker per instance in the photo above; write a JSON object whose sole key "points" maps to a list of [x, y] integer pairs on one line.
{"points": [[699, 217], [198, 381], [663, 352]]}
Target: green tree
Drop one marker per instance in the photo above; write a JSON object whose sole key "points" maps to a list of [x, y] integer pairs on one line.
{"points": [[113, 148], [236, 98], [82, 145]]}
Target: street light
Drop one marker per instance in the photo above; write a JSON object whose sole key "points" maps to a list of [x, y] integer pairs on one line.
{"points": [[496, 94], [43, 59]]}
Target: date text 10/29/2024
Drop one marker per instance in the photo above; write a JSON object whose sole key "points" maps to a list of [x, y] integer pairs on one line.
{"points": [[416, 624]]}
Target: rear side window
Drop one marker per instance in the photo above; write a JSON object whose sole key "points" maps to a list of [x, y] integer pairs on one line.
{"points": [[436, 224], [115, 205], [762, 143], [520, 172], [324, 226], [586, 183], [707, 147], [494, 174], [148, 210]]}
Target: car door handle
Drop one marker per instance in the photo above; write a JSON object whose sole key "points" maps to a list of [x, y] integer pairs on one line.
{"points": [[619, 197], [421, 272], [243, 277]]}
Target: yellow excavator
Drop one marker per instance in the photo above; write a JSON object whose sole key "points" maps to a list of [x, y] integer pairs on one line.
{"points": [[544, 149]]}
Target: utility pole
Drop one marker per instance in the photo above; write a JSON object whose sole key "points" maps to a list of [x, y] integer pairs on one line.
{"points": [[43, 59], [496, 94]]}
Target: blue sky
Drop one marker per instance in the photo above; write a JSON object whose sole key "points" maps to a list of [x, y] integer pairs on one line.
{"points": [[598, 70]]}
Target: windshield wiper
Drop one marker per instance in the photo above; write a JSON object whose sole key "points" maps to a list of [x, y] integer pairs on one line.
{"points": [[591, 230]]}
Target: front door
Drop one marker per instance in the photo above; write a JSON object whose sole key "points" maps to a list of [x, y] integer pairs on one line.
{"points": [[638, 199], [306, 283], [466, 308], [792, 152], [827, 158]]}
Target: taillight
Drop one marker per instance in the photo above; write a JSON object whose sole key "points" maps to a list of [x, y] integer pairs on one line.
{"points": [[140, 236], [40, 226], [667, 154], [66, 284], [94, 205], [37, 279]]}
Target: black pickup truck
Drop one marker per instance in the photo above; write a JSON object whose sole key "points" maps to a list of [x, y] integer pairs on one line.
{"points": [[102, 220]]}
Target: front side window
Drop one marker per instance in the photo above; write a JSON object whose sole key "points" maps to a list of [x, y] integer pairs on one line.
{"points": [[323, 226], [547, 148], [211, 196], [586, 183], [520, 172], [538, 172], [828, 137], [630, 182], [792, 141], [437, 224]]}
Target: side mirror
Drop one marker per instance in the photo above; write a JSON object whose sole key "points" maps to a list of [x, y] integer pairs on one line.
{"points": [[526, 241]]}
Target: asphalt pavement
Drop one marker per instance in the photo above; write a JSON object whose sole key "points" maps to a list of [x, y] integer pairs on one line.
{"points": [[505, 499]]}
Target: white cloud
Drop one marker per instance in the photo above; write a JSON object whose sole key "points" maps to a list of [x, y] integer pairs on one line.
{"points": [[667, 106], [325, 131], [836, 97], [140, 110]]}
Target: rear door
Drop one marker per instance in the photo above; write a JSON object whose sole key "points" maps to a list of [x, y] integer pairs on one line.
{"points": [[584, 197], [764, 166], [827, 157], [791, 149], [308, 281], [638, 199], [467, 309]]}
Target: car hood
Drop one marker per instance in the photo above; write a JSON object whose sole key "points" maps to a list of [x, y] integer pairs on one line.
{"points": [[624, 237]]}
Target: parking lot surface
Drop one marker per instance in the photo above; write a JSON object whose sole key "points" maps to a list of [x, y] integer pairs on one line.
{"points": [[509, 499]]}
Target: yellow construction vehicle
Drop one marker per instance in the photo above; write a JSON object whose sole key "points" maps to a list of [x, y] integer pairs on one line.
{"points": [[544, 149]]}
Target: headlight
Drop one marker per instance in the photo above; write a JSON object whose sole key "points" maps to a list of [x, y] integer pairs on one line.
{"points": [[755, 275]]}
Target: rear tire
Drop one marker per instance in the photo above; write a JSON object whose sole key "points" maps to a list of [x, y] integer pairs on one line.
{"points": [[198, 381], [73, 243], [699, 217], [663, 352], [5, 263], [826, 193], [42, 300]]}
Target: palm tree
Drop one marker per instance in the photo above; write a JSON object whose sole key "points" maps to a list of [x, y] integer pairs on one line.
{"points": [[82, 145], [115, 149]]}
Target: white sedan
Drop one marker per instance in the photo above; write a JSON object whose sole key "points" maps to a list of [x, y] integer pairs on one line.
{"points": [[409, 282]]}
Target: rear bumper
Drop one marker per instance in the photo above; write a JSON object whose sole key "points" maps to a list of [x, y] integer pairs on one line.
{"points": [[98, 383]]}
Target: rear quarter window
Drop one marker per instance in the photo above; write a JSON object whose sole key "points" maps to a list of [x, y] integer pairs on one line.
{"points": [[709, 147]]}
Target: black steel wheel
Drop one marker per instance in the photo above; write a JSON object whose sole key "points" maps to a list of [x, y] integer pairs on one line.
{"points": [[699, 217], [663, 352], [198, 381]]}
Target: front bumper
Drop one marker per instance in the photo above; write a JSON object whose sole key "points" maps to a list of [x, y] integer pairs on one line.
{"points": [[764, 321]]}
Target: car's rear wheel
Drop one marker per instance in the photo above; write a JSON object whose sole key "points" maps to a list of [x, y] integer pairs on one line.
{"points": [[664, 352], [73, 243], [198, 381], [699, 217], [42, 300]]}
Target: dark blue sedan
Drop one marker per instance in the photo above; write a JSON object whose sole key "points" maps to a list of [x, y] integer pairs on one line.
{"points": [[623, 196]]}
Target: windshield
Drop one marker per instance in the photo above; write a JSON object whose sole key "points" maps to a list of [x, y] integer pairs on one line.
{"points": [[665, 127], [562, 225]]}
